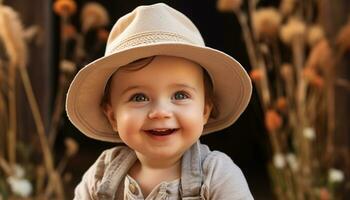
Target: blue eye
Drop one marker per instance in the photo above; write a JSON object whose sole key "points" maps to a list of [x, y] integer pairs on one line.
{"points": [[139, 97], [181, 95]]}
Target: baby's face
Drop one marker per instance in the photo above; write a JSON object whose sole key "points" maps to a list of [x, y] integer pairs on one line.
{"points": [[159, 110]]}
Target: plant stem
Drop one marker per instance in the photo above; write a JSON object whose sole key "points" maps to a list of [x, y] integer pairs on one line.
{"points": [[48, 160], [254, 61], [59, 105], [12, 130], [64, 21], [5, 166]]}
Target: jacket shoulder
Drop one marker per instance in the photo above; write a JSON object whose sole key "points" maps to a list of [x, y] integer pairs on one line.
{"points": [[223, 178], [92, 178], [106, 157]]}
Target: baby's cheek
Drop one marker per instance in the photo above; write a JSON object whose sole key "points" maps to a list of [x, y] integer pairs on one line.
{"points": [[127, 120], [192, 116]]}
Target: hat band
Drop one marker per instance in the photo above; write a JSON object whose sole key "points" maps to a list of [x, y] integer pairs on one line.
{"points": [[144, 38]]}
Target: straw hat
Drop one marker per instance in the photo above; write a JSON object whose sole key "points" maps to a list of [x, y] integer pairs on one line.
{"points": [[147, 31]]}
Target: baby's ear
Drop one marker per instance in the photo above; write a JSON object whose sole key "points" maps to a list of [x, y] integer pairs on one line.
{"points": [[207, 110], [108, 111]]}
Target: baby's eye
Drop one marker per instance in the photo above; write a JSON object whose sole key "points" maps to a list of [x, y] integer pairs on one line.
{"points": [[139, 97], [180, 95]]}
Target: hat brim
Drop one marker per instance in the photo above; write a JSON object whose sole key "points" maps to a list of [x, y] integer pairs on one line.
{"points": [[232, 86]]}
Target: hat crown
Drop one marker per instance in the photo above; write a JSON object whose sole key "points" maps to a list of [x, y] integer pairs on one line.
{"points": [[156, 24]]}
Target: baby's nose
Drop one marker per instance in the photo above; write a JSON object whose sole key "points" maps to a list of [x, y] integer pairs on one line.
{"points": [[160, 110]]}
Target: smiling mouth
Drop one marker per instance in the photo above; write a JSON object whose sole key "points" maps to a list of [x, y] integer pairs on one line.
{"points": [[163, 132]]}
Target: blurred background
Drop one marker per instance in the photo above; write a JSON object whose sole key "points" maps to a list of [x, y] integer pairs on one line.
{"points": [[292, 142]]}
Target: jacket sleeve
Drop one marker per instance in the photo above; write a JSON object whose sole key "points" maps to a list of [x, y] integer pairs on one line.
{"points": [[223, 180], [86, 189]]}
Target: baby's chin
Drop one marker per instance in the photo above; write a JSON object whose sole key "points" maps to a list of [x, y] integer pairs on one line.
{"points": [[162, 155]]}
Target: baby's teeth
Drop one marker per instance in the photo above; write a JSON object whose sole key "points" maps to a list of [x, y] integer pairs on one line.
{"points": [[163, 130]]}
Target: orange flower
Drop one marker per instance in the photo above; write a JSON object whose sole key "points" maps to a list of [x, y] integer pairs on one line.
{"points": [[68, 31], [102, 34], [64, 8], [314, 79], [273, 120], [324, 194], [317, 82], [309, 73], [281, 104], [228, 5], [256, 75]]}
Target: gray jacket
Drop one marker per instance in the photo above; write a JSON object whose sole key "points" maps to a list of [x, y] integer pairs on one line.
{"points": [[205, 175]]}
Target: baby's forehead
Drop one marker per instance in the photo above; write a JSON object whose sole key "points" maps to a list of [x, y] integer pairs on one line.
{"points": [[161, 70], [161, 64], [165, 60]]}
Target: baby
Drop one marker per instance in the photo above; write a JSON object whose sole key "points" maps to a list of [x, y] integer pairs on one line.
{"points": [[157, 90]]}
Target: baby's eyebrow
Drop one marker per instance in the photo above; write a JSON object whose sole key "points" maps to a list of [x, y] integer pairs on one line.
{"points": [[184, 85], [131, 88], [177, 85]]}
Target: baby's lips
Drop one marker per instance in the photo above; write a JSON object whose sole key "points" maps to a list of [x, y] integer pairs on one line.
{"points": [[162, 131], [158, 129]]}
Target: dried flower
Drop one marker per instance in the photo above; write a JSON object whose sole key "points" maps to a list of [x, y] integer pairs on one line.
{"points": [[320, 55], [72, 146], [324, 194], [12, 34], [264, 48], [286, 7], [68, 32], [317, 82], [293, 29], [281, 104], [286, 71], [273, 120], [40, 170], [20, 186], [93, 15], [67, 66], [19, 171], [31, 33], [279, 161], [314, 34], [64, 8], [228, 5], [309, 74], [266, 22], [292, 162], [67, 177], [335, 175], [257, 75], [309, 133], [102, 34], [343, 37]]}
